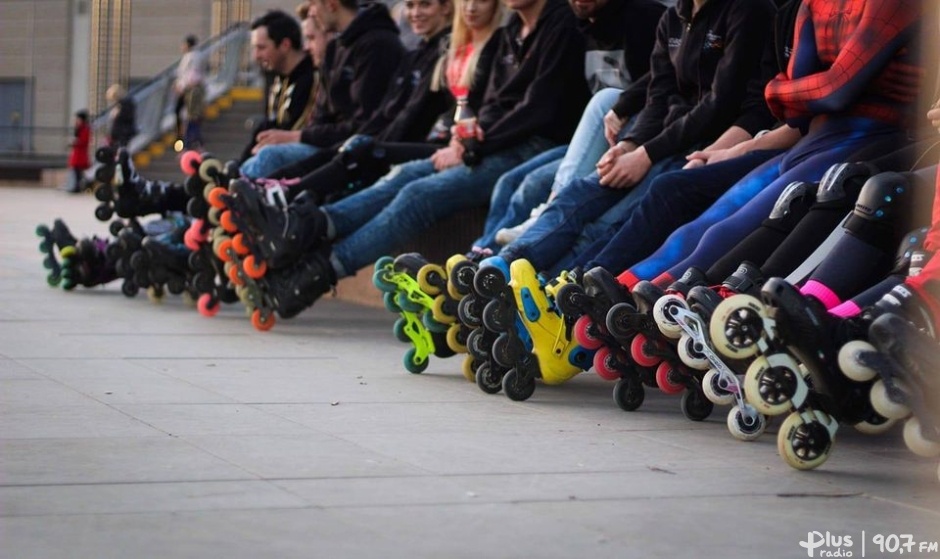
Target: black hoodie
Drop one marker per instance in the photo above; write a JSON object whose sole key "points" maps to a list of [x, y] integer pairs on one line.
{"points": [[357, 70], [700, 71], [536, 86], [619, 43], [409, 108]]}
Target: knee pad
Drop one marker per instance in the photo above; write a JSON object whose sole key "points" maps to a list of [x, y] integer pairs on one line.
{"points": [[357, 149], [796, 191], [842, 182], [881, 204], [911, 255]]}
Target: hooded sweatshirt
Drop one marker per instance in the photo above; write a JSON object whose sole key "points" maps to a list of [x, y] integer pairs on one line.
{"points": [[536, 85], [700, 71], [357, 70]]}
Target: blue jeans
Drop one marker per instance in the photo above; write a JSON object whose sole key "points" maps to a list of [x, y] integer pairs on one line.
{"points": [[562, 229], [410, 199], [518, 191], [271, 158], [525, 187], [674, 198]]}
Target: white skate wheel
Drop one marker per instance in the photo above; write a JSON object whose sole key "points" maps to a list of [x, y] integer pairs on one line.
{"points": [[664, 320], [916, 442], [743, 428], [690, 355], [871, 428], [849, 363], [885, 406], [713, 390]]}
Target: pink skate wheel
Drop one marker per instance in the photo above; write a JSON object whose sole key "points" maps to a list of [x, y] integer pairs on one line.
{"points": [[583, 334], [190, 162], [603, 364], [205, 307], [189, 241], [640, 354], [664, 379]]}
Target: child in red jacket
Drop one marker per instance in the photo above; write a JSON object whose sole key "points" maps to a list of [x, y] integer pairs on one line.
{"points": [[78, 156]]}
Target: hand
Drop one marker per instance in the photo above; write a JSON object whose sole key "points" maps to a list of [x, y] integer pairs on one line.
{"points": [[613, 124], [607, 160], [628, 170], [455, 133], [448, 157], [934, 115], [708, 157], [272, 137]]}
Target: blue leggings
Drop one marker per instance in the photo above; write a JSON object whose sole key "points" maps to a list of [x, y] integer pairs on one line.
{"points": [[742, 209]]}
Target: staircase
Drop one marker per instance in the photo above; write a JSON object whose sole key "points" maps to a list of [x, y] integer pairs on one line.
{"points": [[225, 136]]}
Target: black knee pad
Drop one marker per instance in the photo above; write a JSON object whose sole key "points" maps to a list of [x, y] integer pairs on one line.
{"points": [[842, 182], [795, 192], [911, 255], [880, 208]]}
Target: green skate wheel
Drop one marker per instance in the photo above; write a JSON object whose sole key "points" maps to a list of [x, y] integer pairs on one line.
{"points": [[413, 363]]}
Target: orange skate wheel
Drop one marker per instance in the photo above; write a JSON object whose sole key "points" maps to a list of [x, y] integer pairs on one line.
{"points": [[253, 268], [225, 220], [260, 322], [222, 250], [232, 273], [238, 243], [215, 197]]}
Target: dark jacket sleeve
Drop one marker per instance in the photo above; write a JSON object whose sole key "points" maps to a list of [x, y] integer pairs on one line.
{"points": [[717, 110], [755, 114], [374, 66], [642, 37], [560, 59], [633, 98], [662, 87]]}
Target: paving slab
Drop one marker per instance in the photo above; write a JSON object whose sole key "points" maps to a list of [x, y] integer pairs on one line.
{"points": [[133, 429]]}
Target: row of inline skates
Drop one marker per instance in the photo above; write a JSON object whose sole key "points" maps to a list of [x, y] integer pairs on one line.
{"points": [[755, 345], [164, 238]]}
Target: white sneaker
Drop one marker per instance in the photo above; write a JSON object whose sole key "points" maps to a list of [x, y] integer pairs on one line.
{"points": [[509, 234]]}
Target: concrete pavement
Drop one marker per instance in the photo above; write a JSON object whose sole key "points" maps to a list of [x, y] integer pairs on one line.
{"points": [[129, 429]]}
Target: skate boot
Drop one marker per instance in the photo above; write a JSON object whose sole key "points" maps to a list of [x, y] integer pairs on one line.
{"points": [[587, 302], [274, 234], [904, 361], [87, 264], [691, 317], [795, 371], [129, 197], [287, 291], [207, 181], [525, 304], [164, 262], [400, 280], [53, 241]]}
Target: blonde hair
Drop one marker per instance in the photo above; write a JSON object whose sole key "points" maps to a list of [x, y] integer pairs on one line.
{"points": [[114, 93], [460, 36]]}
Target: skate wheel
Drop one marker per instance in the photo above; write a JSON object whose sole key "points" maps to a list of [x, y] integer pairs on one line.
{"points": [[695, 406], [849, 363], [691, 354], [640, 354], [629, 393], [746, 426], [875, 425], [506, 351], [477, 345], [663, 316], [461, 279], [206, 306], [210, 170], [736, 326], [456, 339], [884, 405], [224, 250], [388, 299], [400, 332], [916, 442], [469, 368], [711, 386], [443, 311], [469, 311], [155, 295], [804, 444], [771, 383], [517, 389], [104, 212], [261, 321], [605, 364], [238, 243], [666, 381], [231, 271], [190, 161], [215, 197], [489, 281], [497, 316], [190, 243], [584, 333], [488, 379], [431, 279], [413, 363], [226, 222]]}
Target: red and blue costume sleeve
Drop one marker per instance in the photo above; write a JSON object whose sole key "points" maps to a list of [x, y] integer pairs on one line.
{"points": [[845, 50]]}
